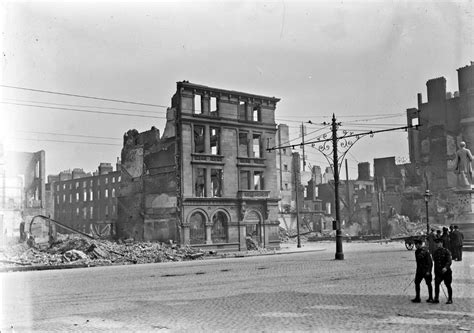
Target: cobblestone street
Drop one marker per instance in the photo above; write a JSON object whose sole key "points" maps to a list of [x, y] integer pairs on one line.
{"points": [[302, 291]]}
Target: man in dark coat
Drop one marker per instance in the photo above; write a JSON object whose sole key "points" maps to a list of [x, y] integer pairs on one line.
{"points": [[456, 244], [424, 265], [451, 241], [442, 269], [445, 238], [430, 240]]}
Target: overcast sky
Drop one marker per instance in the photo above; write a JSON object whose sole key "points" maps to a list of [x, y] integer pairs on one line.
{"points": [[363, 61]]}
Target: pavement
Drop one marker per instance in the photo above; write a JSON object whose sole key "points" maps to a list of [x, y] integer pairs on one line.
{"points": [[370, 290]]}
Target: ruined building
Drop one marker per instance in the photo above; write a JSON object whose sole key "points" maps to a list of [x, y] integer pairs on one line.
{"points": [[86, 202], [22, 188], [208, 180], [447, 119]]}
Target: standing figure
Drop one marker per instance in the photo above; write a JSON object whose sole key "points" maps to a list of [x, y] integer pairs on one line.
{"points": [[442, 269], [451, 241], [458, 239], [430, 240], [445, 238], [424, 266], [463, 167]]}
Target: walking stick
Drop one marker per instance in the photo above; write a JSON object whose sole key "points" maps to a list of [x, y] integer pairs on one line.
{"points": [[443, 291], [408, 285]]}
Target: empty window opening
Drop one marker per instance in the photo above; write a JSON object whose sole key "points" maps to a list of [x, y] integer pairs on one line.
{"points": [[213, 104], [77, 212], [285, 167], [215, 139], [219, 228], [113, 193], [200, 183], [197, 104], [256, 113], [91, 213], [242, 110], [91, 195], [243, 144], [197, 229], [84, 212], [244, 180], [77, 197], [106, 210], [286, 186], [258, 180], [85, 196], [257, 152], [199, 139], [216, 182], [106, 193]]}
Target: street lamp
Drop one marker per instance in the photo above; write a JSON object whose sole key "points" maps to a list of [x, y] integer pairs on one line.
{"points": [[427, 196]]}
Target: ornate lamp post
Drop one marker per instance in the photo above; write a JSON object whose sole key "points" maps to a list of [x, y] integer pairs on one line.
{"points": [[427, 196]]}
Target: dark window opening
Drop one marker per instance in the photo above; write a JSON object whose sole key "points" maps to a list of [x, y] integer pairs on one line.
{"points": [[216, 182], [244, 180], [199, 139], [242, 110], [219, 228], [197, 229], [200, 183], [243, 144]]}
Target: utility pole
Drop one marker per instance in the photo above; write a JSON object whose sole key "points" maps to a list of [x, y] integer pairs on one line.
{"points": [[302, 146], [343, 142], [296, 172], [349, 204], [339, 253]]}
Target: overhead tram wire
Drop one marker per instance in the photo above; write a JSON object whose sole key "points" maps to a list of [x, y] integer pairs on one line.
{"points": [[81, 106], [86, 111], [72, 135], [83, 96], [75, 142]]}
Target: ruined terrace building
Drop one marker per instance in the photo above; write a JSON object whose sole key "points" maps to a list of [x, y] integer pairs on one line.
{"points": [[447, 119], [208, 180]]}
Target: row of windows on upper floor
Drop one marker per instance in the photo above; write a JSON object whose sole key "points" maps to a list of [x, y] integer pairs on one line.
{"points": [[208, 181], [250, 144], [88, 212], [86, 183], [85, 196], [210, 106]]}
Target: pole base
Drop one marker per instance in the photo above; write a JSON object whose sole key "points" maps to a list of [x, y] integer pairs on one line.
{"points": [[339, 256]]}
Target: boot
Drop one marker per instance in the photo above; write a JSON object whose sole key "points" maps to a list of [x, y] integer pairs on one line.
{"points": [[416, 300], [450, 301]]}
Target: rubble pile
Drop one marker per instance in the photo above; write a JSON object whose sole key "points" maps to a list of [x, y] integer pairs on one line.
{"points": [[78, 250]]}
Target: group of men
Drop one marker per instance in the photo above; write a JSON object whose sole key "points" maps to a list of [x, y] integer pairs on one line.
{"points": [[442, 250], [452, 240]]}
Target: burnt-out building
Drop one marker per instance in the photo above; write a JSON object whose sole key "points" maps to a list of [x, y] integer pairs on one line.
{"points": [[22, 188], [84, 201], [208, 180], [446, 119]]}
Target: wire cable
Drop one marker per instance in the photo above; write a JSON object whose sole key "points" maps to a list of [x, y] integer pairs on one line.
{"points": [[82, 96], [86, 111]]}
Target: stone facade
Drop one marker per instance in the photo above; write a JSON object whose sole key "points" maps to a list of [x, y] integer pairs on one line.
{"points": [[208, 181]]}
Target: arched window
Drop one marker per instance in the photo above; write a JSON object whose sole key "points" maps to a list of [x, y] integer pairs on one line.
{"points": [[219, 228], [197, 228]]}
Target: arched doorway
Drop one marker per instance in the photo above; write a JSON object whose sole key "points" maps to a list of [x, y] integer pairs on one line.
{"points": [[197, 228], [219, 229], [253, 225]]}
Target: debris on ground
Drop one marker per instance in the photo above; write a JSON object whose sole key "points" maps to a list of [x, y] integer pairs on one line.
{"points": [[78, 250]]}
